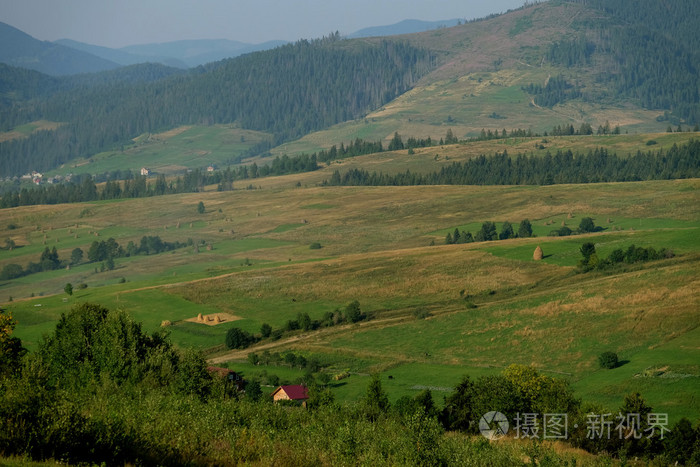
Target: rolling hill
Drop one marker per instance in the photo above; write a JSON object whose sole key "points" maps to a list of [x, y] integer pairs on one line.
{"points": [[383, 271], [22, 50], [536, 67]]}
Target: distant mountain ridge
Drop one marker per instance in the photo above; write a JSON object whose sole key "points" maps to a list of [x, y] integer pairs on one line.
{"points": [[199, 52], [408, 26], [22, 50]]}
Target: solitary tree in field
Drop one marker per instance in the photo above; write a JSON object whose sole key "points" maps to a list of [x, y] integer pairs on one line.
{"points": [[586, 225], [608, 360], [68, 289], [200, 208], [265, 330]]}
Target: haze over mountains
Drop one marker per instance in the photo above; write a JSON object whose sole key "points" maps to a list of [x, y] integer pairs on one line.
{"points": [[593, 62], [68, 57]]}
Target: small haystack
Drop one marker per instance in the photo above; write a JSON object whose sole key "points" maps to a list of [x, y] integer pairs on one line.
{"points": [[570, 216], [537, 255], [200, 318], [218, 319], [563, 223]]}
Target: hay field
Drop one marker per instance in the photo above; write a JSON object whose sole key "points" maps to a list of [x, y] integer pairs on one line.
{"points": [[488, 304]]}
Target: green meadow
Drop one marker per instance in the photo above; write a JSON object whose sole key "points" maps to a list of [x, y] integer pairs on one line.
{"points": [[437, 312], [192, 147]]}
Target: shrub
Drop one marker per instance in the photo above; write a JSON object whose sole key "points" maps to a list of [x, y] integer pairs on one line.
{"points": [[315, 246], [608, 360]]}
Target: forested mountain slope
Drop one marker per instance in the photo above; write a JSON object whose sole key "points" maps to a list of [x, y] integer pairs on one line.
{"points": [[579, 61]]}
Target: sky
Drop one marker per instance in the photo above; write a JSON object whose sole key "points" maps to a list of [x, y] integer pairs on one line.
{"points": [[118, 23]]}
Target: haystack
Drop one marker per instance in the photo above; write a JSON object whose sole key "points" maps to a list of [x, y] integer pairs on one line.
{"points": [[537, 255], [200, 318]]}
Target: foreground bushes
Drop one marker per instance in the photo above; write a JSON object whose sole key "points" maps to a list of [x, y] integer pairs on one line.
{"points": [[101, 390]]}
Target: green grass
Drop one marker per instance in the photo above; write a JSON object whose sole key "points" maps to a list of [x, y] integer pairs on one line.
{"points": [[490, 305], [172, 152]]}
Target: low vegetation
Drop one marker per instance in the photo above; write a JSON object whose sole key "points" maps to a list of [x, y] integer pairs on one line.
{"points": [[91, 391]]}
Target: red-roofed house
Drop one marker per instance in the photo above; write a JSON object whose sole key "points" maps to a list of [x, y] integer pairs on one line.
{"points": [[293, 392]]}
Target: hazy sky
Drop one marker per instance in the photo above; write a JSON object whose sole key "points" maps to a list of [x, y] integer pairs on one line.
{"points": [[117, 23]]}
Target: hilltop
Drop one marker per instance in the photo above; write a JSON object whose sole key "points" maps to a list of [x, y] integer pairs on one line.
{"points": [[539, 66]]}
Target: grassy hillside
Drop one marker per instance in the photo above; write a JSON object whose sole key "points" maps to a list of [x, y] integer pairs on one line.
{"points": [[190, 147], [486, 304]]}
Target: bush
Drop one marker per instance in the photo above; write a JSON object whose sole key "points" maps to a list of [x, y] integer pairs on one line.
{"points": [[608, 360], [315, 246]]}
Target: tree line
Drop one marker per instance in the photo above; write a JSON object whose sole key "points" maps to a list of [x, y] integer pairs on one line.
{"points": [[104, 250], [488, 232], [633, 254], [237, 338], [596, 166]]}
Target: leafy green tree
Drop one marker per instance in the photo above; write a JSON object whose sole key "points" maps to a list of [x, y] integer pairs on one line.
{"points": [[376, 401], [458, 413], [200, 208], [587, 249], [506, 231], [319, 396], [525, 229], [68, 289], [353, 313], [487, 232], [265, 330], [681, 441], [192, 377], [541, 393], [396, 142], [11, 350], [49, 259], [424, 401], [304, 321], [586, 225], [448, 239], [608, 360], [237, 338], [76, 256], [11, 271], [253, 391]]}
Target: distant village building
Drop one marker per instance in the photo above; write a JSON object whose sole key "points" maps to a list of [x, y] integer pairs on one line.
{"points": [[229, 375], [211, 168], [145, 172], [294, 392]]}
